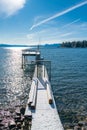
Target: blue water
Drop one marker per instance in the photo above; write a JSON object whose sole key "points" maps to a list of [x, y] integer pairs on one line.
{"points": [[68, 79], [14, 83]]}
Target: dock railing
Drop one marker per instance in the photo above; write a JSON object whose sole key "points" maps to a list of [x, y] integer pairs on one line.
{"points": [[45, 63]]}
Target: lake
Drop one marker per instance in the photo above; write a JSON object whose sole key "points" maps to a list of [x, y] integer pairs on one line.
{"points": [[68, 79]]}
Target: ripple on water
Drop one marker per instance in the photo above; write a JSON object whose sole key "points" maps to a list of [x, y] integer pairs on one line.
{"points": [[68, 74]]}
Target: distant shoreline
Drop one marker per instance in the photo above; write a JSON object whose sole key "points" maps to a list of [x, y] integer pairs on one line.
{"points": [[73, 44], [45, 45]]}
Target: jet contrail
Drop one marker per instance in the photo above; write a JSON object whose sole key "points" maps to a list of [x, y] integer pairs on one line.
{"points": [[59, 14], [75, 21]]}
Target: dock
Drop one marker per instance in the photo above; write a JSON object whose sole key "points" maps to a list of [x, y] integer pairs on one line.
{"points": [[41, 112], [27, 53]]}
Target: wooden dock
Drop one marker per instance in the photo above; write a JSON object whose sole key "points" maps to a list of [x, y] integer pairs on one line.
{"points": [[27, 53], [41, 112], [41, 108]]}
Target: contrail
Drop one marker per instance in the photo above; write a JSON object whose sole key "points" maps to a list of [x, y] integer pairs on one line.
{"points": [[59, 14], [75, 21]]}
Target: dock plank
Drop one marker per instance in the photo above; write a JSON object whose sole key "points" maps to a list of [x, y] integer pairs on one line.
{"points": [[45, 116], [28, 113]]}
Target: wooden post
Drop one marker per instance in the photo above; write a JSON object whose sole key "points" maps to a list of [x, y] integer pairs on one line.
{"points": [[50, 71], [22, 62], [44, 71]]}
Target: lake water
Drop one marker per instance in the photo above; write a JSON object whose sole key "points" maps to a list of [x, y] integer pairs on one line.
{"points": [[68, 79]]}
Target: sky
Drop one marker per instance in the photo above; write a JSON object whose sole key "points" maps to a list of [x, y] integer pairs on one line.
{"points": [[32, 22]]}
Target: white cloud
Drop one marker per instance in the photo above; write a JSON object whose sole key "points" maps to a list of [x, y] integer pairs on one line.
{"points": [[10, 7], [48, 36]]}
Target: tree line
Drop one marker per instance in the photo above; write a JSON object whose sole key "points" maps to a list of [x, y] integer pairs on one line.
{"points": [[75, 44]]}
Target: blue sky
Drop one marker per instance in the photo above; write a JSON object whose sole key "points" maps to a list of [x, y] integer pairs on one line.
{"points": [[45, 21]]}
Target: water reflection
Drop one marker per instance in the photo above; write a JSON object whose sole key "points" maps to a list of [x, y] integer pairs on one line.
{"points": [[13, 80]]}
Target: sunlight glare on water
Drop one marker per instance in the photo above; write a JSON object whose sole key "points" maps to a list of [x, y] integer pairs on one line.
{"points": [[68, 79], [12, 80]]}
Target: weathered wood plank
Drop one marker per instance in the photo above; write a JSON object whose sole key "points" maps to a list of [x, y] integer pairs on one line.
{"points": [[31, 94], [49, 94], [33, 104], [28, 113]]}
